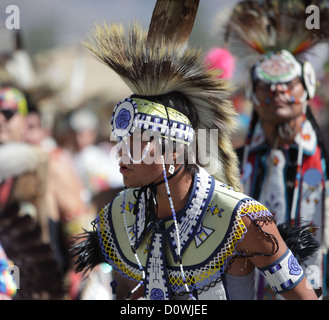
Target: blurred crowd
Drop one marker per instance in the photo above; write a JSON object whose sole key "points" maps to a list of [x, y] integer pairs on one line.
{"points": [[56, 171]]}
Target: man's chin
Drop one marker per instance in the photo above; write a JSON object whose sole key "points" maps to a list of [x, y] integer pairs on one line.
{"points": [[130, 184], [278, 117]]}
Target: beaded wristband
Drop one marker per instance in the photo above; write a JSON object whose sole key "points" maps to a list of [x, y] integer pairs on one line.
{"points": [[284, 274]]}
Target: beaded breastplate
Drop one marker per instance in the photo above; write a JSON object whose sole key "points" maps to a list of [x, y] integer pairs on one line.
{"points": [[210, 226]]}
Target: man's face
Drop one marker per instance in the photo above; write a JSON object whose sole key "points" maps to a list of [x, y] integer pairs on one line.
{"points": [[12, 126], [279, 103], [34, 133], [149, 170]]}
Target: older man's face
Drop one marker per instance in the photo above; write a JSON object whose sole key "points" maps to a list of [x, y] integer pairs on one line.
{"points": [[281, 102]]}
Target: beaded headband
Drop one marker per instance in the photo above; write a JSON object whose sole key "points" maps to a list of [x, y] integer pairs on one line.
{"points": [[282, 67], [130, 114], [277, 67]]}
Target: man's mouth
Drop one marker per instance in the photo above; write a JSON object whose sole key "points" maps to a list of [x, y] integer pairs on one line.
{"points": [[124, 169], [279, 105]]}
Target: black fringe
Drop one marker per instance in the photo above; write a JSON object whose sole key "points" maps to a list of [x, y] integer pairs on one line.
{"points": [[86, 252], [300, 240]]}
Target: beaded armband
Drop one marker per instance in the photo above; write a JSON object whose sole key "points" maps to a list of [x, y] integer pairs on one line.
{"points": [[284, 274]]}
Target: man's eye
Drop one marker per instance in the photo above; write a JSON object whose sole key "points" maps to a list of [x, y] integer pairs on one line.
{"points": [[291, 84]]}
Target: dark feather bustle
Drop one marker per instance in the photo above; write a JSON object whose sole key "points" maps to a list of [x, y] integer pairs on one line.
{"points": [[300, 240], [258, 26], [86, 252]]}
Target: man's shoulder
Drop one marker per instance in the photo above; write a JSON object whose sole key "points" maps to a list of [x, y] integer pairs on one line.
{"points": [[224, 191]]}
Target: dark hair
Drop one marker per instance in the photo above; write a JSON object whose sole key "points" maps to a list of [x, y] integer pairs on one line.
{"points": [[178, 101]]}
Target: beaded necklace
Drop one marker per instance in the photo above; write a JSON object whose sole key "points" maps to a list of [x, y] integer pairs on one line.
{"points": [[176, 230]]}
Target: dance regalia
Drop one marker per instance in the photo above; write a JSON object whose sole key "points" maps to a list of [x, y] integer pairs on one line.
{"points": [[210, 227], [270, 35], [269, 176]]}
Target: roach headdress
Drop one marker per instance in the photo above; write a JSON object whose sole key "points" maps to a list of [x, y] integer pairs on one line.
{"points": [[158, 67]]}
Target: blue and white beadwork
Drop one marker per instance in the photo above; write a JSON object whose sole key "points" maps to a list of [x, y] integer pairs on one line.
{"points": [[157, 283], [127, 117], [123, 121], [284, 274], [192, 219]]}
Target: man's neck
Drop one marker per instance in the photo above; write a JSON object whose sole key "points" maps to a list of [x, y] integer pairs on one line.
{"points": [[180, 188], [278, 137]]}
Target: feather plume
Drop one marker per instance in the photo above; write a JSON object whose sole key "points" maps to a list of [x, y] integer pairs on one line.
{"points": [[165, 67], [173, 20], [258, 26], [300, 240], [86, 252]]}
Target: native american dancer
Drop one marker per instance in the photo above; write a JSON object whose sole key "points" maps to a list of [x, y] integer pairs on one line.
{"points": [[284, 163]]}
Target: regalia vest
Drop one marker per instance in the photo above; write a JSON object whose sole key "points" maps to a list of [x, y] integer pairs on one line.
{"points": [[271, 180], [210, 226]]}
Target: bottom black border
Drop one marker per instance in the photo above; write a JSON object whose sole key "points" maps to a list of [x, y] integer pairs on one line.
{"points": [[143, 309]]}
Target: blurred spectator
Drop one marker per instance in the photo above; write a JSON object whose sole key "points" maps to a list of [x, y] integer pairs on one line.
{"points": [[36, 133], [13, 108], [65, 187], [64, 190], [40, 206], [96, 167]]}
